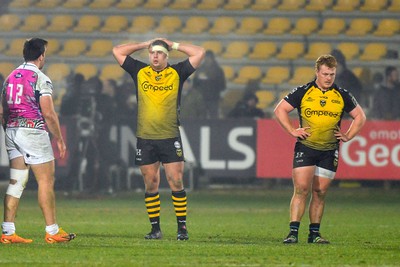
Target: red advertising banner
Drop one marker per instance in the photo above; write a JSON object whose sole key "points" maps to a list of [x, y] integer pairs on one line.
{"points": [[274, 150], [373, 155]]}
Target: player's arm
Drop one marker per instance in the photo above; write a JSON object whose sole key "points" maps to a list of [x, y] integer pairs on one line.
{"points": [[196, 53], [120, 52], [281, 112], [53, 124], [2, 112], [2, 117], [358, 122]]}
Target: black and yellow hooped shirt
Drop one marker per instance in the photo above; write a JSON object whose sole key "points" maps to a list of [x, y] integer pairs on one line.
{"points": [[158, 96], [322, 112]]}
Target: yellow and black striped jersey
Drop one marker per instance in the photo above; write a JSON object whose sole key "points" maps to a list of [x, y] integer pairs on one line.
{"points": [[158, 96], [322, 112]]}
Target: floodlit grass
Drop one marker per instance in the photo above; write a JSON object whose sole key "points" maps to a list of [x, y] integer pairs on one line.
{"points": [[226, 228]]}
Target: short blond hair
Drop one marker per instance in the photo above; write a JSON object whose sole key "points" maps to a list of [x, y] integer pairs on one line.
{"points": [[328, 60]]}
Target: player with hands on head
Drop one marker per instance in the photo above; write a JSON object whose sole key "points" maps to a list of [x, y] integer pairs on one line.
{"points": [[321, 105], [28, 115], [158, 92]]}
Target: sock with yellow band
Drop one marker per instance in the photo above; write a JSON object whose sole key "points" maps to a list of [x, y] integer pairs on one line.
{"points": [[180, 203], [153, 209]]}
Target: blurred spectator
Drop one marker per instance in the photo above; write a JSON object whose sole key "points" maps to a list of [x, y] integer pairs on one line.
{"points": [[192, 104], [247, 108], [387, 98], [209, 79], [106, 103], [252, 87], [109, 154], [109, 87], [85, 162], [345, 78], [94, 111], [70, 101], [377, 80], [370, 90], [125, 99]]}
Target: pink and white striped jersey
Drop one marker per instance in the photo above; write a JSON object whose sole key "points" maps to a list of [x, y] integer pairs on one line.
{"points": [[21, 92]]}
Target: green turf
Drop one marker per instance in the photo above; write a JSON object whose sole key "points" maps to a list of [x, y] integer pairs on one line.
{"points": [[226, 228]]}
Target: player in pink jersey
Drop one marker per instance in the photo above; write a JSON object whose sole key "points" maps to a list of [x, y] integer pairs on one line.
{"points": [[27, 111]]}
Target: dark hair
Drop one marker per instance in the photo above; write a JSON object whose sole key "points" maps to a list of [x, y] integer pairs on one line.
{"points": [[160, 42], [210, 54], [377, 77], [389, 70], [34, 48], [250, 96], [340, 58]]}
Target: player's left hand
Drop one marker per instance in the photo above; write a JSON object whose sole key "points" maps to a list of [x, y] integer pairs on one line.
{"points": [[340, 135]]}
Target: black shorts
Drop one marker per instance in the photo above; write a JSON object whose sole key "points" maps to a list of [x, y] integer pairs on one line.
{"points": [[149, 151], [306, 156]]}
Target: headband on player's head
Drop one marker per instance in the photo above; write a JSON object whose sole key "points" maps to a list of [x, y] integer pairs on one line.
{"points": [[160, 48]]}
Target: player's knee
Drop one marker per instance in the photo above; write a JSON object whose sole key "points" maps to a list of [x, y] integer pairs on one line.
{"points": [[320, 193], [302, 191], [151, 183], [176, 184], [18, 181]]}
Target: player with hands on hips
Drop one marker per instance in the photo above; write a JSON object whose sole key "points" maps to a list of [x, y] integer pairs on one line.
{"points": [[321, 105]]}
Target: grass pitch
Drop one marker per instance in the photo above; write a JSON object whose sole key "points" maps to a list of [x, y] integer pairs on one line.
{"points": [[226, 228]]}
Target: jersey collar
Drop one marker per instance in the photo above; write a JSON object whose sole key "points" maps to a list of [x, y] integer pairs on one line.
{"points": [[316, 86], [30, 64]]}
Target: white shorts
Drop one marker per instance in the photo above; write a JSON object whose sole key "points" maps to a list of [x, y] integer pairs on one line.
{"points": [[32, 144]]}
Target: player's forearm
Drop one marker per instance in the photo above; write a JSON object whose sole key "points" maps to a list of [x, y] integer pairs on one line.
{"points": [[2, 120], [53, 125], [355, 126], [190, 49], [196, 53], [284, 120], [358, 122], [120, 52], [281, 113], [3, 113], [55, 130], [129, 48]]}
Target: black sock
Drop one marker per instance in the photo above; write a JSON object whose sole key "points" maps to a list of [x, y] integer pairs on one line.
{"points": [[294, 228], [314, 228]]}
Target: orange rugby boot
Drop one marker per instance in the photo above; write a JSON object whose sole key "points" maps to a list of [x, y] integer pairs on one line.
{"points": [[60, 237], [14, 238]]}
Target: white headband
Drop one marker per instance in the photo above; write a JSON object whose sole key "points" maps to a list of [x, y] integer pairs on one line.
{"points": [[160, 48]]}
